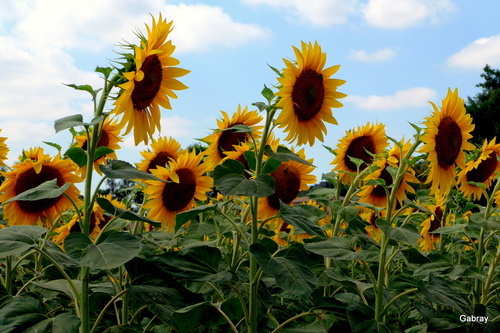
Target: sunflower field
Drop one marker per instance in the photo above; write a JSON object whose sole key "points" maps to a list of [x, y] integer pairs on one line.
{"points": [[230, 235]]}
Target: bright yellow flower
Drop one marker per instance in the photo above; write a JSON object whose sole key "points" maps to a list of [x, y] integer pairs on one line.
{"points": [[164, 150]]}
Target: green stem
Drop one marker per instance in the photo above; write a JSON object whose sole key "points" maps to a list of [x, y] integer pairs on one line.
{"points": [[489, 279], [289, 320], [8, 274], [404, 293], [106, 307], [379, 290], [227, 318]]}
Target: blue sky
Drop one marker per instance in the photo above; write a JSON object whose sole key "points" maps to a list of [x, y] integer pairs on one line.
{"points": [[396, 55]]}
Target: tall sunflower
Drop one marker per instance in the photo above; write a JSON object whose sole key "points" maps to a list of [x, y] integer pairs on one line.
{"points": [[3, 151], [151, 84], [186, 184], [290, 178], [436, 220], [445, 140], [375, 194], [29, 174], [360, 143], [110, 137], [308, 94], [225, 139], [481, 170], [164, 149]]}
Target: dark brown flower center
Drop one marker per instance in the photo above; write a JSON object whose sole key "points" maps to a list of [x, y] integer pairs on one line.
{"points": [[379, 191], [448, 142], [308, 94], [358, 149], [103, 141], [161, 159], [30, 179], [177, 196], [373, 221], [230, 138], [287, 185], [484, 170], [436, 222], [147, 89]]}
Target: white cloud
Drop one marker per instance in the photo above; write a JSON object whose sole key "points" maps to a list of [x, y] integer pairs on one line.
{"points": [[481, 52], [202, 27], [405, 13], [412, 97], [317, 12], [375, 56]]}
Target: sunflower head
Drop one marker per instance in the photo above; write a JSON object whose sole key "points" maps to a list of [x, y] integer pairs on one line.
{"points": [[445, 139], [435, 221], [224, 139], [185, 185], [163, 150], [29, 174], [362, 143], [307, 95], [481, 170], [151, 84], [290, 178], [3, 151]]}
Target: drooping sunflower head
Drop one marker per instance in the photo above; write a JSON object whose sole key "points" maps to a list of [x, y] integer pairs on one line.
{"points": [[109, 137], [436, 220], [224, 139], [3, 151], [445, 139], [290, 178], [362, 143], [308, 94], [185, 185], [151, 84], [481, 170], [29, 174], [163, 150]]}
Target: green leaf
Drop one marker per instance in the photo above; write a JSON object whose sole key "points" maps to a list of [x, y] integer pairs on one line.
{"points": [[284, 154], [230, 180], [186, 216], [123, 213], [342, 248], [260, 105], [46, 190], [453, 229], [85, 87], [433, 267], [62, 286], [440, 291], [102, 151], [106, 71], [17, 239], [267, 93], [188, 318], [62, 323], [270, 165], [20, 314], [288, 268], [52, 144], [199, 263], [77, 155], [113, 250], [299, 217], [68, 122], [117, 169], [405, 234]]}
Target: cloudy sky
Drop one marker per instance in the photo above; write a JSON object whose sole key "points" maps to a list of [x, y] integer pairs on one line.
{"points": [[396, 55]]}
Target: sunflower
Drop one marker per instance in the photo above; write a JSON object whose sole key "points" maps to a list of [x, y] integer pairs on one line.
{"points": [[435, 221], [186, 183], [360, 143], [110, 137], [3, 151], [445, 140], [224, 140], [151, 84], [481, 170], [290, 178], [164, 149], [308, 95], [372, 229], [375, 194], [29, 174]]}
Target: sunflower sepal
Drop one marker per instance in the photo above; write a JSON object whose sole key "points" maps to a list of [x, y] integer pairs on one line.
{"points": [[45, 190]]}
